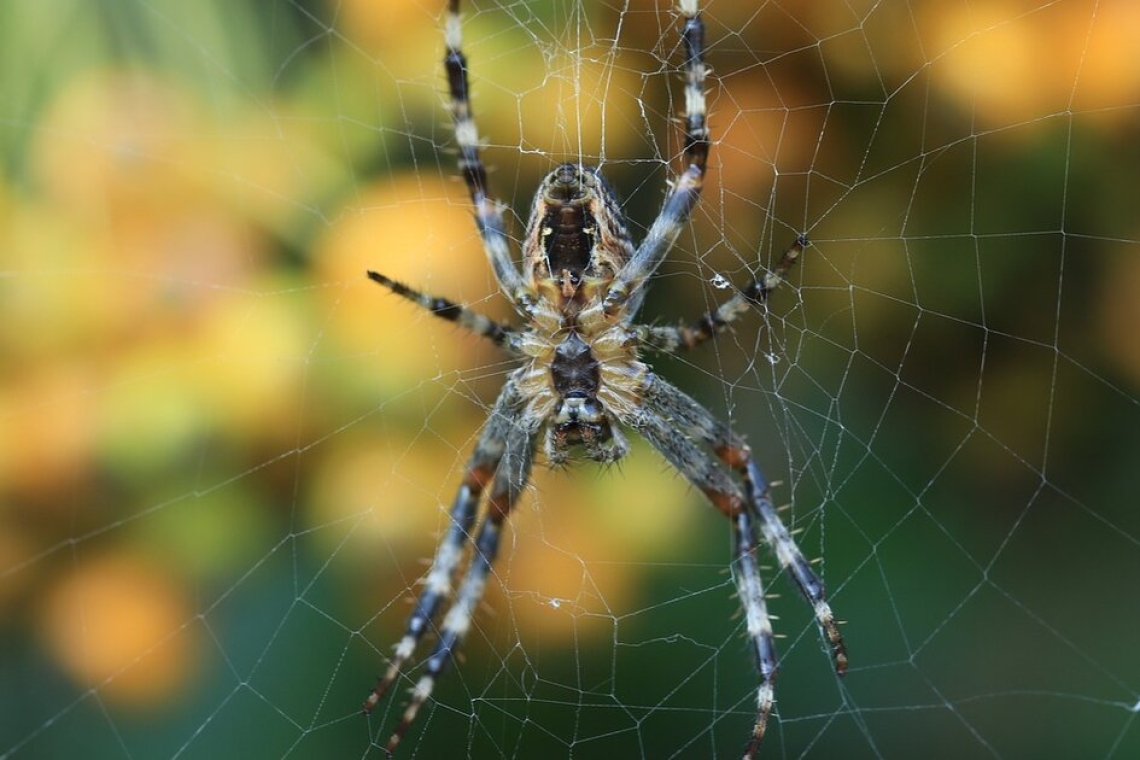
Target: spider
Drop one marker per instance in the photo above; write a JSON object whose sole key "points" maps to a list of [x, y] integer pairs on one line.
{"points": [[581, 379]]}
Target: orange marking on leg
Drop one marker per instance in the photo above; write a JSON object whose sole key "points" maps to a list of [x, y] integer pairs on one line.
{"points": [[729, 504], [477, 478], [498, 507], [735, 457]]}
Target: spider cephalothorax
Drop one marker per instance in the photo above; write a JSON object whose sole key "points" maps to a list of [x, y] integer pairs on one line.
{"points": [[580, 380]]}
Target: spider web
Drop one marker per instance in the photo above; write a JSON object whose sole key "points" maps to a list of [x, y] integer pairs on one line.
{"points": [[225, 455]]}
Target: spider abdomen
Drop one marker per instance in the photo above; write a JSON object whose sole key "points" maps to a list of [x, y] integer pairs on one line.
{"points": [[576, 238]]}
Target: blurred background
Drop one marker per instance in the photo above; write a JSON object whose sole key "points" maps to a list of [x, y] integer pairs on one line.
{"points": [[225, 456]]}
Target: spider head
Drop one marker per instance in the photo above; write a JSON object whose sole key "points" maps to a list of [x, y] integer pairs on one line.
{"points": [[576, 232]]}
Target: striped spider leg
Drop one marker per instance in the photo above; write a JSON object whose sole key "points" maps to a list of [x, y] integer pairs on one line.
{"points": [[666, 408], [672, 338], [581, 379], [503, 455]]}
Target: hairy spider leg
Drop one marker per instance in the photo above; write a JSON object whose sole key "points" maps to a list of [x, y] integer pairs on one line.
{"points": [[488, 213], [750, 590], [485, 459], [663, 401], [791, 559], [627, 289], [669, 339], [675, 404], [656, 425], [444, 308], [518, 447]]}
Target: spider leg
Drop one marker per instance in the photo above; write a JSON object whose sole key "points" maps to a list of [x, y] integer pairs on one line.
{"points": [[509, 481], [665, 408], [626, 290], [750, 589], [485, 327], [488, 213], [489, 452], [672, 338], [655, 425], [671, 402]]}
